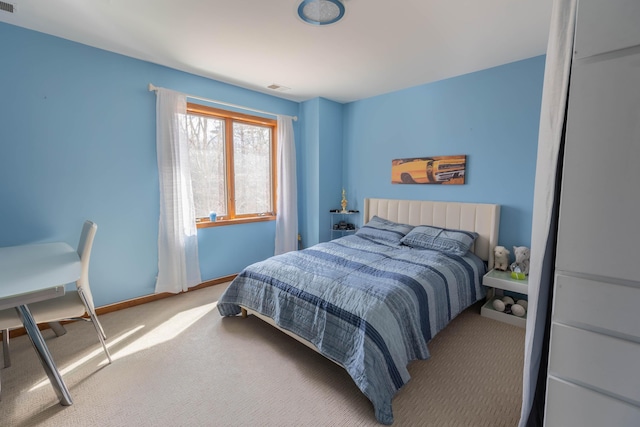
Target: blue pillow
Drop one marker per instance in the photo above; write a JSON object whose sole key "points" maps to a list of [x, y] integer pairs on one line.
{"points": [[384, 231], [454, 242]]}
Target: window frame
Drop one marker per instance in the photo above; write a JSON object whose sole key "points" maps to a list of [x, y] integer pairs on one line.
{"points": [[231, 117]]}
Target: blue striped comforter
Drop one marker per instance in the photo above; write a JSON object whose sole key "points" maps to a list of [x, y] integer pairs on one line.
{"points": [[368, 306]]}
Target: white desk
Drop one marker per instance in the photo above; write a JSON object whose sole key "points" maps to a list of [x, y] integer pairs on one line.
{"points": [[31, 273]]}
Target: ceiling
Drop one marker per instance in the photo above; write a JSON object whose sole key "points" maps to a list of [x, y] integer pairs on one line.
{"points": [[378, 47]]}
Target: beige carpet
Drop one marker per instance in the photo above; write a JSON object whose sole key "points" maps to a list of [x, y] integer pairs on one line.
{"points": [[178, 363]]}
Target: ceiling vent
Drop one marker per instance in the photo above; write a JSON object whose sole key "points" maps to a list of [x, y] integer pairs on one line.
{"points": [[278, 87], [7, 7]]}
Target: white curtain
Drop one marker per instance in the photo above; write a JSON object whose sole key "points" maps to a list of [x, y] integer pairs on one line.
{"points": [[287, 199], [178, 266], [545, 208]]}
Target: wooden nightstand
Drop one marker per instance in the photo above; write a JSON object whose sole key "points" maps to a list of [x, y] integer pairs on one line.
{"points": [[496, 279]]}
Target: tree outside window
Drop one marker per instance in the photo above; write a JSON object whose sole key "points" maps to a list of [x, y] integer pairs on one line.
{"points": [[232, 160]]}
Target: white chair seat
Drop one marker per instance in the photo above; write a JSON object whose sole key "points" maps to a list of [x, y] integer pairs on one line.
{"points": [[68, 306], [9, 319]]}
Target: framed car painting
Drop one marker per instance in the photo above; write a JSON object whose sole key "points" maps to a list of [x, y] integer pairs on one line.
{"points": [[429, 170]]}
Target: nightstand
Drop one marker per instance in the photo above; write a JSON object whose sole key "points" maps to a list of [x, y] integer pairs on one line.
{"points": [[346, 218], [502, 281]]}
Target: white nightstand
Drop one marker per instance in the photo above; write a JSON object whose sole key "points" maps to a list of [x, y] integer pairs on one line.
{"points": [[496, 279], [346, 218]]}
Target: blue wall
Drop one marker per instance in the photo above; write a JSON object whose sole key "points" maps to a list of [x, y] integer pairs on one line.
{"points": [[77, 141], [331, 176], [491, 116], [321, 179], [309, 172]]}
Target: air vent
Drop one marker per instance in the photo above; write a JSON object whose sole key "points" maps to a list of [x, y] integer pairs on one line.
{"points": [[278, 87], [7, 7]]}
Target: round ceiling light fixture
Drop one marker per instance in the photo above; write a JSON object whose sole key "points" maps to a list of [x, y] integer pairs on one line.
{"points": [[321, 12]]}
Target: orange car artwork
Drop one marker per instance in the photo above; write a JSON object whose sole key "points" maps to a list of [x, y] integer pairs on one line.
{"points": [[429, 170]]}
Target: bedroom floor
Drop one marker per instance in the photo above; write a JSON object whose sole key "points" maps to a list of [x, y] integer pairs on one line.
{"points": [[177, 362]]}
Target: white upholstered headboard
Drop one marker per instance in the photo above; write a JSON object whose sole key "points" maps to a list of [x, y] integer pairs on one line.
{"points": [[482, 218]]}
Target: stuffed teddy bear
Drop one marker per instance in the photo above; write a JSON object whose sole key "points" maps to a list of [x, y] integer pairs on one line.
{"points": [[501, 258], [509, 306], [522, 254]]}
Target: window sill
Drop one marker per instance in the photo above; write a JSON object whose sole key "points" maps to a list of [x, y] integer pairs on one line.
{"points": [[223, 222]]}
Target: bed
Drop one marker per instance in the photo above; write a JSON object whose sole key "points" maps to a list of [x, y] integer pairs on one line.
{"points": [[372, 301]]}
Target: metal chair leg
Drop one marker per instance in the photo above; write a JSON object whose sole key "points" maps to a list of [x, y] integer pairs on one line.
{"points": [[96, 324], [5, 348], [57, 328], [101, 336]]}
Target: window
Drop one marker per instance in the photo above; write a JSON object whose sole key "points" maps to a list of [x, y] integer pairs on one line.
{"points": [[232, 160]]}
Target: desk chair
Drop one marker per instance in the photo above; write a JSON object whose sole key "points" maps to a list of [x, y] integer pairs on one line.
{"points": [[73, 305]]}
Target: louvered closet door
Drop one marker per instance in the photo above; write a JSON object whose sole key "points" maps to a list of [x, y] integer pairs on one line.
{"points": [[594, 360]]}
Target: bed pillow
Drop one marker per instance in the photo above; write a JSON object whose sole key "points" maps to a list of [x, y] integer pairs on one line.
{"points": [[454, 242], [384, 231]]}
